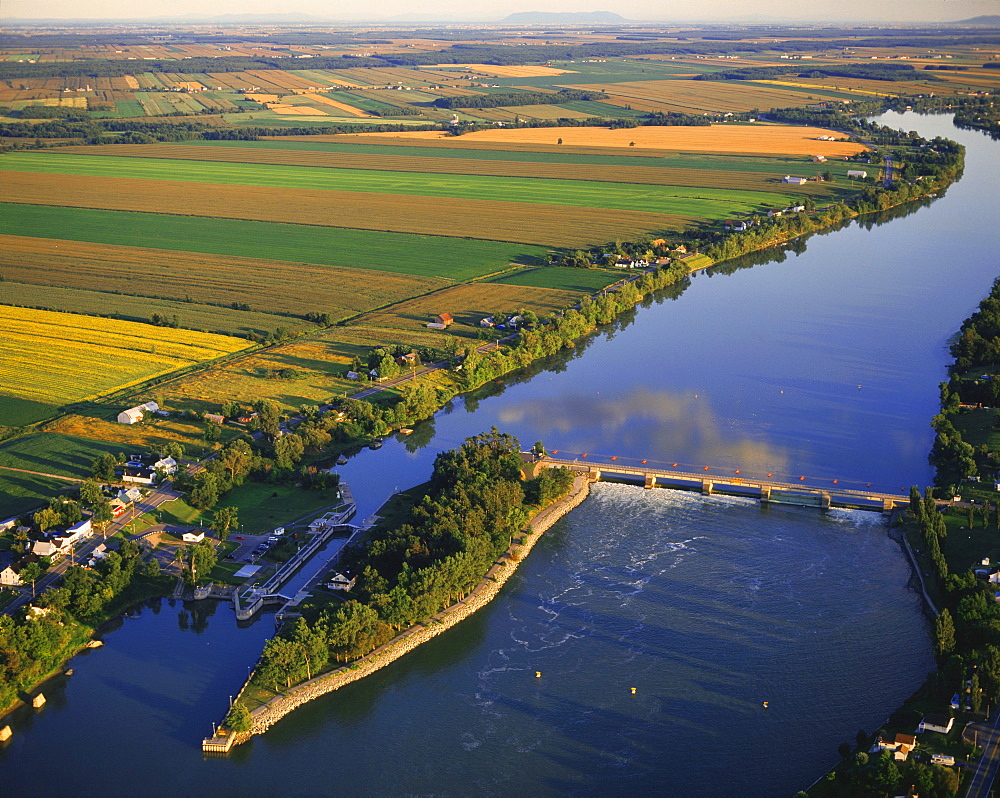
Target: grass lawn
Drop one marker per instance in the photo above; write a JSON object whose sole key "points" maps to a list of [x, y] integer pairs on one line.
{"points": [[706, 203], [400, 253], [582, 281], [17, 412], [264, 507], [48, 453]]}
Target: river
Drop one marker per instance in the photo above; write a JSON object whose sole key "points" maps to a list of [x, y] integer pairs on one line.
{"points": [[822, 364]]}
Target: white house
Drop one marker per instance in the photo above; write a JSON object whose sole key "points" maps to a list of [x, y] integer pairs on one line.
{"points": [[936, 723], [342, 582], [167, 465], [135, 414], [353, 375], [740, 226], [194, 536], [46, 548], [9, 577], [795, 181], [859, 173], [81, 529]]}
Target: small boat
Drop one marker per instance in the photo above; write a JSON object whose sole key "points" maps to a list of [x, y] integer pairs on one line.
{"points": [[69, 671], [341, 460], [375, 445], [764, 704], [406, 431]]}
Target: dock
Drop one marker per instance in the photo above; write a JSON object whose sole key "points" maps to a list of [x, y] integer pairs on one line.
{"points": [[219, 743]]}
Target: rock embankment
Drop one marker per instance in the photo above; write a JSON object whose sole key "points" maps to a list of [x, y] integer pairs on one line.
{"points": [[269, 714]]}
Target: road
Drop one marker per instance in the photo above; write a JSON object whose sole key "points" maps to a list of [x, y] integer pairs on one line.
{"points": [[988, 738]]}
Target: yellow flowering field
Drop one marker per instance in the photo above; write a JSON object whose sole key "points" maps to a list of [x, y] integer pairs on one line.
{"points": [[56, 358]]}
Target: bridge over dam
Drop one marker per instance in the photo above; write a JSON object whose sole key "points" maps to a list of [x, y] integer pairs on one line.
{"points": [[765, 489]]}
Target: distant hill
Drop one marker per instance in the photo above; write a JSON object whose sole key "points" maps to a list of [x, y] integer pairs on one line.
{"points": [[564, 18], [990, 20]]}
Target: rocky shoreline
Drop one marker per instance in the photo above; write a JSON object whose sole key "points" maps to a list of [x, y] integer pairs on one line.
{"points": [[266, 716]]}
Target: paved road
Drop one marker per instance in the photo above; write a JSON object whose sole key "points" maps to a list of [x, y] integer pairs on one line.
{"points": [[985, 771]]}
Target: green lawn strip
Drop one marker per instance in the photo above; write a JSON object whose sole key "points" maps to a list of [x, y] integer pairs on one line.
{"points": [[52, 453], [581, 280], [457, 259], [16, 412], [190, 315], [698, 202]]}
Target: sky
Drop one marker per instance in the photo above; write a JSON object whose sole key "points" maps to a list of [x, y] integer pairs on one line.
{"points": [[659, 10]]}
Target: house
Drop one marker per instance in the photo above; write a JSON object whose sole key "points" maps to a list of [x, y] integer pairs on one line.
{"points": [[344, 581], [135, 414], [444, 318], [167, 465], [138, 472], [411, 359], [194, 536], [118, 508], [487, 322], [795, 181], [353, 375], [9, 576], [46, 548], [81, 529], [936, 723], [819, 158], [900, 745], [858, 173], [797, 208], [215, 418], [740, 226], [129, 496]]}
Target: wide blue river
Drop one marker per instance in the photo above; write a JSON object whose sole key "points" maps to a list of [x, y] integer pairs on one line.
{"points": [[823, 363]]}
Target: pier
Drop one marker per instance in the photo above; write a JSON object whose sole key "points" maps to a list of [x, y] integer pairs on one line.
{"points": [[766, 490]]}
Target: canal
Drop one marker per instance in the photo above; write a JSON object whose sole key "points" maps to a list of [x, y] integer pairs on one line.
{"points": [[822, 363]]}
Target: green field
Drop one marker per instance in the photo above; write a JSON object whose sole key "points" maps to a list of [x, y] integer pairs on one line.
{"points": [[16, 411], [401, 253], [708, 203], [585, 281], [264, 507]]}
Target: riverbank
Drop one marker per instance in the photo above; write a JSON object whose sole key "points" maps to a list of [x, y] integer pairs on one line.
{"points": [[262, 718]]}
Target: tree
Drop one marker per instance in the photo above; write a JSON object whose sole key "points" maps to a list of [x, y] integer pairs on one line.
{"points": [[31, 573], [206, 491], [90, 493], [103, 514], [944, 634], [224, 519], [103, 467], [47, 518], [236, 459], [239, 718], [201, 559]]}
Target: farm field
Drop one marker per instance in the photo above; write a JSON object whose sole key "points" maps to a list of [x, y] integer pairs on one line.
{"points": [[438, 218], [577, 281], [578, 192], [594, 171], [717, 138], [55, 358], [422, 257]]}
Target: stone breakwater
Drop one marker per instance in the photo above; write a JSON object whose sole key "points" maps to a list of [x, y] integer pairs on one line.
{"points": [[266, 716]]}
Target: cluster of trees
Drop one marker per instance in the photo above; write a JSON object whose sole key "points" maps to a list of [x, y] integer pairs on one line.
{"points": [[31, 649], [475, 506], [509, 98]]}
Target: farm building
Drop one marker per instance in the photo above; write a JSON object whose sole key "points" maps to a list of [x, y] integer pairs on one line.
{"points": [[135, 414], [444, 318], [819, 158], [215, 418], [795, 181], [860, 173]]}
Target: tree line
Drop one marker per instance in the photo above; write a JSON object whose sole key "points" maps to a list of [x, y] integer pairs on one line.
{"points": [[475, 507], [505, 99]]}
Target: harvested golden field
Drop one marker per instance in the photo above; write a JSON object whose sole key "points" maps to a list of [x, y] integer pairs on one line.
{"points": [[271, 285], [469, 304], [63, 357], [512, 71], [263, 98], [350, 109], [139, 435], [545, 225], [644, 175], [295, 110], [748, 139], [696, 96]]}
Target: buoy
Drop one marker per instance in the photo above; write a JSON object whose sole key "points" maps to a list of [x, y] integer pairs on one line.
{"points": [[674, 465], [706, 468], [770, 475], [859, 387], [802, 479], [644, 462], [555, 451], [780, 391], [614, 458], [737, 470], [583, 455], [538, 674], [836, 481], [633, 691]]}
